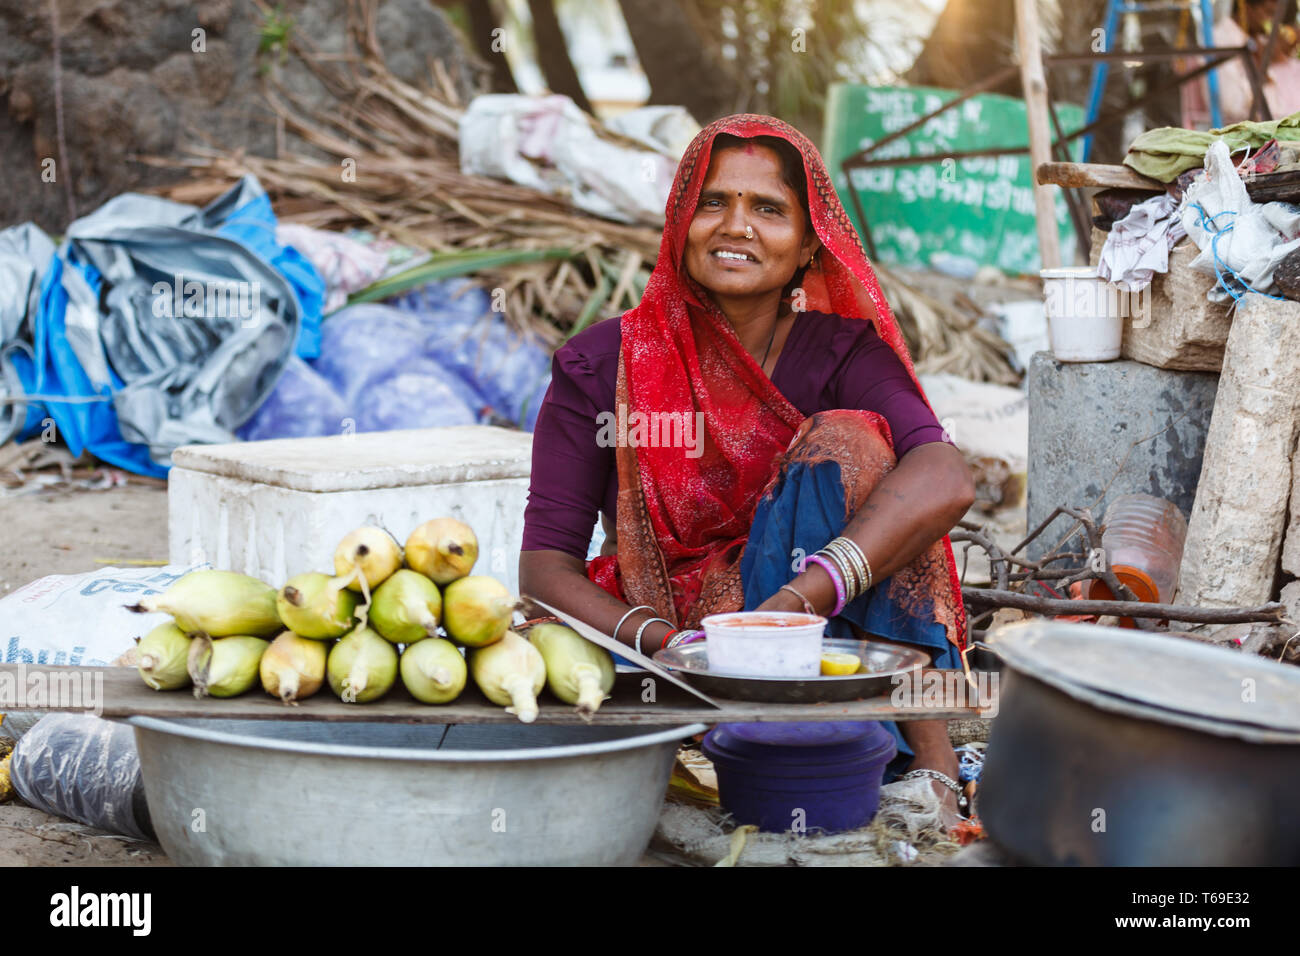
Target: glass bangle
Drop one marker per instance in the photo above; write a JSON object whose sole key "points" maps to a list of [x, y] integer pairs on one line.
{"points": [[837, 579]]}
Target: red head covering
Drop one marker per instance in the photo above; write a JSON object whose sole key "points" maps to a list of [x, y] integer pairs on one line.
{"points": [[682, 520]]}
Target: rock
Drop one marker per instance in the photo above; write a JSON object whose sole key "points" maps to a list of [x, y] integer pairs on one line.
{"points": [[1172, 323], [1234, 536], [1291, 543], [1084, 421], [138, 80], [1291, 598], [1287, 275]]}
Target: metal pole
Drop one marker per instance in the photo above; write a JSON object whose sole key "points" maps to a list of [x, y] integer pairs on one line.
{"points": [[1211, 81], [1100, 71]]}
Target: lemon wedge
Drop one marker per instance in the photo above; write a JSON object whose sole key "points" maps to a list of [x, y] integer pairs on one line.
{"points": [[840, 665]]}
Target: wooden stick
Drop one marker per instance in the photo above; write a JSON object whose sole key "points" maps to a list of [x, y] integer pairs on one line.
{"points": [[988, 597], [1040, 136], [1089, 175]]}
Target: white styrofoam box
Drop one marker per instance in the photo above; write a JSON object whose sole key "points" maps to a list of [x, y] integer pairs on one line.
{"points": [[274, 509], [1023, 324]]}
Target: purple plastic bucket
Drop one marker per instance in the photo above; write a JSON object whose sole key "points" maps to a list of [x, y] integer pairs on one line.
{"points": [[831, 772]]}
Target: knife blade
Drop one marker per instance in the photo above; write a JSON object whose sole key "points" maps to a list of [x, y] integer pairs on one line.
{"points": [[614, 647]]}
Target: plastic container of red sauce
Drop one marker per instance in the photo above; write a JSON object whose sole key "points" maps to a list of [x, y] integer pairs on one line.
{"points": [[765, 643]]}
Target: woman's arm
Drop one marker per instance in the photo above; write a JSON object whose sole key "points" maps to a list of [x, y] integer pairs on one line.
{"points": [[561, 581], [911, 508], [567, 488]]}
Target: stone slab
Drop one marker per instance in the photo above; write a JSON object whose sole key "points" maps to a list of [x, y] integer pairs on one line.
{"points": [[1234, 535]]}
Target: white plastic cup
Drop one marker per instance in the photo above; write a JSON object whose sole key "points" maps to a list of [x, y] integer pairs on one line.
{"points": [[765, 643], [1085, 321]]}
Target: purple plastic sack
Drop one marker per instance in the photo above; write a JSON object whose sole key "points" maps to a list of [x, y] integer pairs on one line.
{"points": [[418, 394], [302, 405], [510, 370]]}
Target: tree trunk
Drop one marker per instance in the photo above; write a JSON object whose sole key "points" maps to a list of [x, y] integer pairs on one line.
{"points": [[483, 20], [553, 53], [682, 66], [971, 40]]}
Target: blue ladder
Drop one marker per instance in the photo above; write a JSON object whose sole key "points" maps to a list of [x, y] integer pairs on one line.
{"points": [[1101, 69]]}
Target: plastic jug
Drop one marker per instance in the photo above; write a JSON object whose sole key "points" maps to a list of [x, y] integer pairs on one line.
{"points": [[1143, 538]]}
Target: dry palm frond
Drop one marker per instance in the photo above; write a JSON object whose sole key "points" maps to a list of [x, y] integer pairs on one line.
{"points": [[944, 337]]}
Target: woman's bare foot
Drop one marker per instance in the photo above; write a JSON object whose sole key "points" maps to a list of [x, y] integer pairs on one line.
{"points": [[929, 742]]}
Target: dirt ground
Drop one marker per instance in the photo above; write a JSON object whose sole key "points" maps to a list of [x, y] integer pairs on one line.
{"points": [[62, 532]]}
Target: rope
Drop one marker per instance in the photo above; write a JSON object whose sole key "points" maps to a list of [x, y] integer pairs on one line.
{"points": [[1209, 224]]}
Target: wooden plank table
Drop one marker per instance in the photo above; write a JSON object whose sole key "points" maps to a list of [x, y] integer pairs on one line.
{"points": [[119, 692]]}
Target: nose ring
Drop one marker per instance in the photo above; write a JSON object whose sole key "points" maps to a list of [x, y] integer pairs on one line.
{"points": [[749, 232]]}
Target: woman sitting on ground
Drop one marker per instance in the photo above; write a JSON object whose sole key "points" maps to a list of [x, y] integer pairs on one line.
{"points": [[808, 471]]}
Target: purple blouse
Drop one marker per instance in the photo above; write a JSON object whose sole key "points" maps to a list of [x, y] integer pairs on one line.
{"points": [[827, 362]]}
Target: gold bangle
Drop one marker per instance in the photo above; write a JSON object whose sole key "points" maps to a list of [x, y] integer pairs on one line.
{"points": [[853, 551], [856, 550], [849, 569]]}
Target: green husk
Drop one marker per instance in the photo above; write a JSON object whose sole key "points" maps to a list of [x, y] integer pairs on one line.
{"points": [[405, 608], [434, 671], [163, 656], [362, 667], [476, 610], [218, 603], [225, 667], [577, 671], [317, 606]]}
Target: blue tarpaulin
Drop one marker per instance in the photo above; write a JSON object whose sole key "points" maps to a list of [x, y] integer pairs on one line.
{"points": [[142, 377]]}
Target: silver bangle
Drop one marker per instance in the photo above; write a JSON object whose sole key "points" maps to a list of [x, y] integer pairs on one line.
{"points": [[943, 778], [621, 620], [640, 630]]}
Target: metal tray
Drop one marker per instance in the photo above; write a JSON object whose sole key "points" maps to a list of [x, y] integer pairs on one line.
{"points": [[883, 662]]}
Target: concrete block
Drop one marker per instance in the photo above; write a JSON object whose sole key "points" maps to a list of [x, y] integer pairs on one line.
{"points": [[1084, 421], [1171, 323], [1234, 536], [277, 508]]}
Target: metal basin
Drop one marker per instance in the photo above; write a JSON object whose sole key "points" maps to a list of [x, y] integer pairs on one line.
{"points": [[291, 793]]}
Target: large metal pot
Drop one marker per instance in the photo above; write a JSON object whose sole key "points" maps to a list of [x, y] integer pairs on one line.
{"points": [[231, 792], [1117, 748]]}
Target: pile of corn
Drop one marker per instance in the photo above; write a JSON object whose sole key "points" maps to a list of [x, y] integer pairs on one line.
{"points": [[387, 613]]}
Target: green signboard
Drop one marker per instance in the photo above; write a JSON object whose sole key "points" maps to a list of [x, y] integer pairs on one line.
{"points": [[953, 215]]}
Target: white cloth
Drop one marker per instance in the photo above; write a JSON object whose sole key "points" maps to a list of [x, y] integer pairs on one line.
{"points": [[1138, 245], [1253, 238]]}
